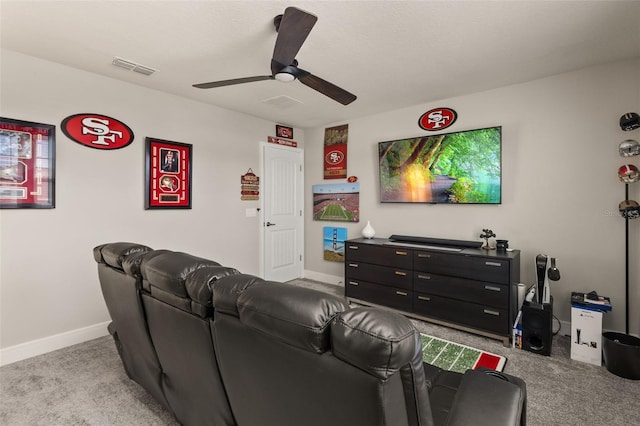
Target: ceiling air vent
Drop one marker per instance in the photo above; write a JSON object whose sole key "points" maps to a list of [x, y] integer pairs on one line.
{"points": [[282, 102], [132, 66]]}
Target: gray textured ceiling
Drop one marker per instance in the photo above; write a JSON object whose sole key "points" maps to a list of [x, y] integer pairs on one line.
{"points": [[391, 54]]}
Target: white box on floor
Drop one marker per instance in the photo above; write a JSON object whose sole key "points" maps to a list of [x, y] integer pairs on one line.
{"points": [[586, 335]]}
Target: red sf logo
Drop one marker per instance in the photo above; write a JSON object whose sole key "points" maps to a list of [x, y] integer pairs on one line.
{"points": [[437, 119], [334, 157], [97, 131]]}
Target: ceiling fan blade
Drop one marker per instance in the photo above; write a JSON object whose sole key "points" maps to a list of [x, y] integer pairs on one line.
{"points": [[328, 89], [294, 28], [232, 81]]}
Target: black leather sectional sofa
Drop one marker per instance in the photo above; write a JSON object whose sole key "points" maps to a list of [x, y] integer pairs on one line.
{"points": [[218, 347]]}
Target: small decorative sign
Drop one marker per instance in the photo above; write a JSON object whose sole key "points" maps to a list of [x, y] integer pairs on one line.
{"points": [[335, 152], [284, 131], [97, 131], [279, 141], [168, 174], [249, 186], [437, 119]]}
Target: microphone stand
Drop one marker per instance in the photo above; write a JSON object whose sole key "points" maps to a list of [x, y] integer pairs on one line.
{"points": [[626, 306]]}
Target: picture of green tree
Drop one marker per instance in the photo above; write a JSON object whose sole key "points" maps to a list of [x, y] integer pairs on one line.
{"points": [[462, 167]]}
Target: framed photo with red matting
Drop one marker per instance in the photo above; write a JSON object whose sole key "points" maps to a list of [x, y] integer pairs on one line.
{"points": [[284, 131], [27, 164], [168, 168]]}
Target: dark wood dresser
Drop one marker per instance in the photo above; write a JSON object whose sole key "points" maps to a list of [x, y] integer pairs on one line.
{"points": [[466, 288]]}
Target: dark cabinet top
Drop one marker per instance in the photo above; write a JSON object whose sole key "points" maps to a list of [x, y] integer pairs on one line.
{"points": [[459, 251]]}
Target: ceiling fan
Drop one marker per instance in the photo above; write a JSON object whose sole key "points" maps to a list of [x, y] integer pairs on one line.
{"points": [[293, 28]]}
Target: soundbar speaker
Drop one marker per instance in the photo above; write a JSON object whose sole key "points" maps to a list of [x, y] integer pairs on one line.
{"points": [[537, 333]]}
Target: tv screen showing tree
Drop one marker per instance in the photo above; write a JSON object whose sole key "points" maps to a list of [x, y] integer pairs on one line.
{"points": [[452, 168]]}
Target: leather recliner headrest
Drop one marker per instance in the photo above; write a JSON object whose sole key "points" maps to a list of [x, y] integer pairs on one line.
{"points": [[114, 254], [377, 341], [166, 276], [228, 289], [298, 316]]}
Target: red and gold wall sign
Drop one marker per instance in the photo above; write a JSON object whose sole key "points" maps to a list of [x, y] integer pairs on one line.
{"points": [[168, 174], [335, 152], [97, 131], [437, 119], [280, 141], [249, 186], [27, 164]]}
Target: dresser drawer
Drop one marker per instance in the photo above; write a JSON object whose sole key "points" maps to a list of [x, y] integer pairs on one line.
{"points": [[477, 268], [386, 275], [481, 317], [392, 297], [380, 255], [480, 292]]}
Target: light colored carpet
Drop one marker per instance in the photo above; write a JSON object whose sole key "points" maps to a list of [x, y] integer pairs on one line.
{"points": [[85, 384]]}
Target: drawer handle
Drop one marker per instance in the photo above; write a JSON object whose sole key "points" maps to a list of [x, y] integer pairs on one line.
{"points": [[490, 312], [424, 298], [492, 288], [401, 293], [354, 247], [402, 274], [353, 265], [424, 277], [423, 255], [498, 264], [401, 253], [353, 283]]}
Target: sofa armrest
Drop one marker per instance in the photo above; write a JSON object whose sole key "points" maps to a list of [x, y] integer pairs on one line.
{"points": [[489, 398]]}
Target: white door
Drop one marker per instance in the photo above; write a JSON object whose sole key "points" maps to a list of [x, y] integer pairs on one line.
{"points": [[282, 212]]}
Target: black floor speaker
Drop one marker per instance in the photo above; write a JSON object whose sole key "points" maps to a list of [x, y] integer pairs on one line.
{"points": [[537, 325]]}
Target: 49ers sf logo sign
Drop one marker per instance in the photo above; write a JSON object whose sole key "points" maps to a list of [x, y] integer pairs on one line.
{"points": [[97, 131], [437, 119]]}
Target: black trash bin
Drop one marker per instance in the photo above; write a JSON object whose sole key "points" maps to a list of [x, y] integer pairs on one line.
{"points": [[621, 354]]}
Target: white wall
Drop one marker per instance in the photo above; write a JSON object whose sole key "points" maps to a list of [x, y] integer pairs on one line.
{"points": [[48, 278], [560, 186]]}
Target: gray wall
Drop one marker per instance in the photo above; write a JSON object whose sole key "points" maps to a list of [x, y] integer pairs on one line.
{"points": [[560, 185], [49, 285]]}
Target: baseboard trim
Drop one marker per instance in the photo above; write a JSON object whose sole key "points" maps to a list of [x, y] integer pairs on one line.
{"points": [[51, 343], [325, 278]]}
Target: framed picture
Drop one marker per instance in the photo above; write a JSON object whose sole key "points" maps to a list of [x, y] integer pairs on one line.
{"points": [[27, 164], [167, 174], [284, 132], [333, 243]]}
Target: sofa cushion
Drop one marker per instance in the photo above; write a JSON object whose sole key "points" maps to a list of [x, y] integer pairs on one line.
{"points": [[375, 340], [227, 290], [199, 285], [165, 276], [113, 254], [297, 316]]}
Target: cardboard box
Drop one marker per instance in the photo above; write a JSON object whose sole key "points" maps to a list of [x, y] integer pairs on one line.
{"points": [[586, 334]]}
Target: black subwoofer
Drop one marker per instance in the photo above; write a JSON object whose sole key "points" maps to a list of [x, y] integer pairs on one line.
{"points": [[537, 325]]}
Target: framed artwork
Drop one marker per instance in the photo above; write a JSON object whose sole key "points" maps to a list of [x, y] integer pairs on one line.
{"points": [[284, 132], [338, 202], [333, 243], [168, 168], [27, 164]]}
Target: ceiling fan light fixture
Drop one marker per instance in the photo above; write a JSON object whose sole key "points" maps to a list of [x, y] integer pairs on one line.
{"points": [[284, 77]]}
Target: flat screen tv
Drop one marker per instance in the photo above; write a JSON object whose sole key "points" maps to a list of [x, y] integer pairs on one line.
{"points": [[451, 168]]}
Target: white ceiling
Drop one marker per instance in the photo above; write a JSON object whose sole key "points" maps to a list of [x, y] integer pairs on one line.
{"points": [[391, 54]]}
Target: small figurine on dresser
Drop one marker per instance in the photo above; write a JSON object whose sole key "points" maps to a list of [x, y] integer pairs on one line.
{"points": [[486, 234]]}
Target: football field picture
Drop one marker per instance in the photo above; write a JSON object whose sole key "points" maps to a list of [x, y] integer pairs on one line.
{"points": [[337, 202]]}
